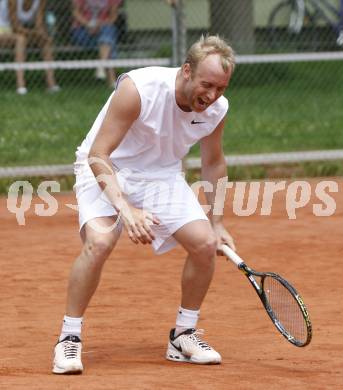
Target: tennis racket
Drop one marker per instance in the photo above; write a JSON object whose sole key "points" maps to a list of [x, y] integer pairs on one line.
{"points": [[282, 302]]}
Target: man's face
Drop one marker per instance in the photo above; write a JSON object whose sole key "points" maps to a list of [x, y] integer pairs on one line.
{"points": [[206, 83]]}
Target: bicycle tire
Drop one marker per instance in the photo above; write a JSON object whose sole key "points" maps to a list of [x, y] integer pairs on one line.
{"points": [[285, 22]]}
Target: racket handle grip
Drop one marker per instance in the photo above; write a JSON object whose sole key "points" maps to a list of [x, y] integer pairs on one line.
{"points": [[232, 255]]}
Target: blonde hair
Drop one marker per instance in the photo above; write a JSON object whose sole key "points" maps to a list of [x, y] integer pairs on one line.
{"points": [[211, 44]]}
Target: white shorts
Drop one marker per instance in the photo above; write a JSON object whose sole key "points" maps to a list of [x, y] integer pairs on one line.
{"points": [[171, 200]]}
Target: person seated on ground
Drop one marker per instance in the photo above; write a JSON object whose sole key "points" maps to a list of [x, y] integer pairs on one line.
{"points": [[27, 22], [94, 27]]}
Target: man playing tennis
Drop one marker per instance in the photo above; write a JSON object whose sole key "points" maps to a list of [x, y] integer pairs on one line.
{"points": [[128, 174]]}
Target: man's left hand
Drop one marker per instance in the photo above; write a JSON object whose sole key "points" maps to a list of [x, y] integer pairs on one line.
{"points": [[223, 237]]}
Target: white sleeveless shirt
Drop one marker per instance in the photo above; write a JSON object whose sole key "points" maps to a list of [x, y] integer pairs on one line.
{"points": [[27, 16], [162, 134]]}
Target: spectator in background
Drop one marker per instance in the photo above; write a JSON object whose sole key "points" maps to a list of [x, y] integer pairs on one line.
{"points": [[340, 28], [27, 21], [94, 27], [7, 37], [5, 27]]}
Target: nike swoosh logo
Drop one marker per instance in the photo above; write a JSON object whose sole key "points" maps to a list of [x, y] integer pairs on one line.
{"points": [[176, 347], [196, 122]]}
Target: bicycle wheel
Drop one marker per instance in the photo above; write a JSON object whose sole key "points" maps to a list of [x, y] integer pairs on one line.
{"points": [[285, 23]]}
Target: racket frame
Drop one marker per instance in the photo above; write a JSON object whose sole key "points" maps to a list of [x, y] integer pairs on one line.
{"points": [[250, 273]]}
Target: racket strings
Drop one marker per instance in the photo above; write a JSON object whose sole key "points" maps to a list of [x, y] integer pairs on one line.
{"points": [[286, 308]]}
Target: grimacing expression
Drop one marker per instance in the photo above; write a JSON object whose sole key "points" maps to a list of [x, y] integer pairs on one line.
{"points": [[206, 83]]}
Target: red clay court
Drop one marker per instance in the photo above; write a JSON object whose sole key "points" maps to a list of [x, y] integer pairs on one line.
{"points": [[127, 324]]}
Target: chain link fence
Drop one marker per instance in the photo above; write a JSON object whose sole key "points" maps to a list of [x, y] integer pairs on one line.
{"points": [[54, 81]]}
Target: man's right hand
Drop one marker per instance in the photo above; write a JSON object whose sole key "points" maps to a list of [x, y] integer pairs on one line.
{"points": [[137, 223]]}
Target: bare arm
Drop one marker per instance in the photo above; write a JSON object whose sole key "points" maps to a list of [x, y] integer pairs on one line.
{"points": [[15, 24], [112, 16], [78, 15], [213, 170], [123, 110], [39, 22]]}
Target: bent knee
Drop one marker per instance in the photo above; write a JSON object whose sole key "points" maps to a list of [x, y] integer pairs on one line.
{"points": [[98, 249], [204, 249]]}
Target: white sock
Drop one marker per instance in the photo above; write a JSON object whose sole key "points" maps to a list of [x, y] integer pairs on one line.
{"points": [[71, 326], [186, 319]]}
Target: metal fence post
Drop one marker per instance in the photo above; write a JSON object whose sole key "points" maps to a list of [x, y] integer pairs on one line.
{"points": [[179, 32], [174, 35], [182, 31]]}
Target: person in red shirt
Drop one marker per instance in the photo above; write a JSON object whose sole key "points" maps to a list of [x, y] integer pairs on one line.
{"points": [[94, 26]]}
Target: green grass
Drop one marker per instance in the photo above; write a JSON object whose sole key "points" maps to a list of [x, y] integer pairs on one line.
{"points": [[41, 128], [66, 182], [274, 107], [285, 107], [298, 107]]}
